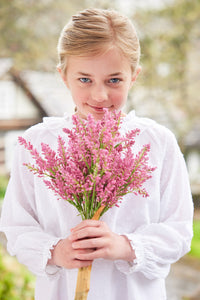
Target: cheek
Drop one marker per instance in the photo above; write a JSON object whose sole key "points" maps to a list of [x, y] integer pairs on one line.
{"points": [[119, 98], [79, 94]]}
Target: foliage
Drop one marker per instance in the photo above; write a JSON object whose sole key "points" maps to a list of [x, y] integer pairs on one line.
{"points": [[16, 283], [169, 44], [195, 247], [30, 30], [3, 185]]}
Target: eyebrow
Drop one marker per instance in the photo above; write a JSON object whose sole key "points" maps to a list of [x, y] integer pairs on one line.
{"points": [[116, 74], [110, 75], [84, 74]]}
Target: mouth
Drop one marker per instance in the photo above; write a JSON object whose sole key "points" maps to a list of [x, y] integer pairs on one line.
{"points": [[99, 108]]}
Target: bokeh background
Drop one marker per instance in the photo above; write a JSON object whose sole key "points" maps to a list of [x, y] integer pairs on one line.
{"points": [[167, 90]]}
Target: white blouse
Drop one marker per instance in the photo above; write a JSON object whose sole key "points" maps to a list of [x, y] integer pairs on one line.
{"points": [[159, 227]]}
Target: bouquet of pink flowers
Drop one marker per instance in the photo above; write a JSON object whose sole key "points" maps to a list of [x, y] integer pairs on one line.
{"points": [[96, 167]]}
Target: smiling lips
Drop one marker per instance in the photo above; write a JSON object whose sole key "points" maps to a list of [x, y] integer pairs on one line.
{"points": [[98, 108]]}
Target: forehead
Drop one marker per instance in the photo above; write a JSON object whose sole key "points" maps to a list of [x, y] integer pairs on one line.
{"points": [[111, 61]]}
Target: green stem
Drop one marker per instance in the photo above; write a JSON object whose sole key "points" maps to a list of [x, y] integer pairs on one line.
{"points": [[93, 197]]}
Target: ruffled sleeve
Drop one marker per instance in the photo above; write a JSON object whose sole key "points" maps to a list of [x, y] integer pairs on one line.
{"points": [[159, 244], [27, 240]]}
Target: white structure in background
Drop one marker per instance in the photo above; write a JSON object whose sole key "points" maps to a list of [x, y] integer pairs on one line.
{"points": [[25, 98], [13, 102], [10, 141], [50, 90], [192, 154]]}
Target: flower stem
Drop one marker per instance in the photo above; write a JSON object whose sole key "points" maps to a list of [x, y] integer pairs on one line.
{"points": [[83, 279]]}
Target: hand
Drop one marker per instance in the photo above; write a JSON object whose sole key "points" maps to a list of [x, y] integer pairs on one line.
{"points": [[64, 255], [100, 242]]}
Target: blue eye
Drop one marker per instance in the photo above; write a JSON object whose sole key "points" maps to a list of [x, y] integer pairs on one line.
{"points": [[115, 80], [84, 80]]}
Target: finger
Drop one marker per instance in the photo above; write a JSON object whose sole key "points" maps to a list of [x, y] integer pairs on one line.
{"points": [[77, 263], [86, 223], [85, 251], [92, 243], [99, 253], [87, 232]]}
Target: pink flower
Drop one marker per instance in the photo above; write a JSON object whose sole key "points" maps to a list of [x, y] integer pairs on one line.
{"points": [[97, 167]]}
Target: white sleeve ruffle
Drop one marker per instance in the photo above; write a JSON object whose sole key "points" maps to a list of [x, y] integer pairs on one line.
{"points": [[158, 245], [33, 250], [26, 239]]}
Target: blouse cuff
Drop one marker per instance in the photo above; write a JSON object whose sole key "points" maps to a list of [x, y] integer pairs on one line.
{"points": [[129, 267], [50, 270]]}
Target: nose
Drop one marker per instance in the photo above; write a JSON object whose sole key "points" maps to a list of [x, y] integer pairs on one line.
{"points": [[99, 93]]}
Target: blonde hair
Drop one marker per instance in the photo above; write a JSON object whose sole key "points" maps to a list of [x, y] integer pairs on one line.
{"points": [[95, 31]]}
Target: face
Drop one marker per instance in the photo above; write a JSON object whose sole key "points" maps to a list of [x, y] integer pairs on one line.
{"points": [[98, 82]]}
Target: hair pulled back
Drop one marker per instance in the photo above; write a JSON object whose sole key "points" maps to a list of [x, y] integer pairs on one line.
{"points": [[95, 31]]}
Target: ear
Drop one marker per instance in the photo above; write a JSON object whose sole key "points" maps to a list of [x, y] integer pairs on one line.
{"points": [[135, 75], [63, 76]]}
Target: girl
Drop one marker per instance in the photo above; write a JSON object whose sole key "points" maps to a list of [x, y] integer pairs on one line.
{"points": [[132, 247]]}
